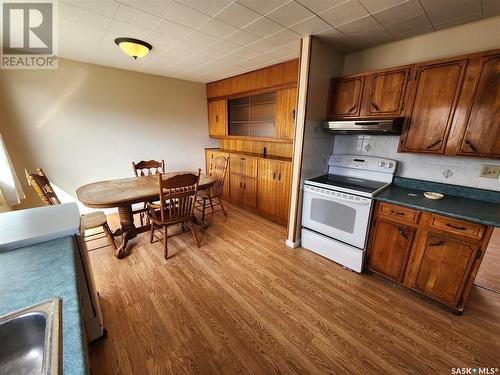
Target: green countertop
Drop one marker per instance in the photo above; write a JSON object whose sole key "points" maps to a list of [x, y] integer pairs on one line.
{"points": [[47, 270], [475, 205]]}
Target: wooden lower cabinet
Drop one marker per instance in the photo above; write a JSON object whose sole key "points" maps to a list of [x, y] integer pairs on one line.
{"points": [[262, 185], [428, 255]]}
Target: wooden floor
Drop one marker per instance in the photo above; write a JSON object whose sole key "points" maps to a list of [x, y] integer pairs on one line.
{"points": [[244, 303], [489, 273]]}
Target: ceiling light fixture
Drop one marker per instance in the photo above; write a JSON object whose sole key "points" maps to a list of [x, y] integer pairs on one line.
{"points": [[134, 47]]}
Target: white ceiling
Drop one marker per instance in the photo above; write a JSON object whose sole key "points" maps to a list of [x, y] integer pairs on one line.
{"points": [[206, 40]]}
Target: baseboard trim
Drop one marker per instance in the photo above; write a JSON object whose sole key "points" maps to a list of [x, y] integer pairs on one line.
{"points": [[292, 244]]}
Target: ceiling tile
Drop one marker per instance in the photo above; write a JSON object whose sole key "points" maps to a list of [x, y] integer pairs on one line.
{"points": [[217, 28], [263, 27], [374, 6], [370, 38], [226, 46], [262, 45], [238, 15], [186, 16], [173, 55], [318, 6], [360, 25], [310, 26], [263, 6], [154, 7], [457, 21], [246, 53], [409, 9], [171, 28], [409, 27], [282, 37], [242, 38], [289, 14], [208, 7], [86, 18], [157, 39], [126, 29], [490, 8], [136, 17], [282, 53], [196, 41], [445, 11], [345, 12], [336, 39], [106, 8]]}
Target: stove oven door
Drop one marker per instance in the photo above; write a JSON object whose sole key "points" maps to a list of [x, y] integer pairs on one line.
{"points": [[342, 216]]}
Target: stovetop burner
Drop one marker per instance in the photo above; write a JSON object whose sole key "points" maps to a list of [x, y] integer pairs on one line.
{"points": [[352, 183]]}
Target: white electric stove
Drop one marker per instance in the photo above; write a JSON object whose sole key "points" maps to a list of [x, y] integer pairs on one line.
{"points": [[337, 207]]}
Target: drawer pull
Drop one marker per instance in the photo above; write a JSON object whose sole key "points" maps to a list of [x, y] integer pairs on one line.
{"points": [[274, 175], [279, 177], [439, 243], [434, 144], [454, 227], [397, 213]]}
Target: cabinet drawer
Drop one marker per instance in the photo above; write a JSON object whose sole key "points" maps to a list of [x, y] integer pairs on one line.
{"points": [[464, 228], [402, 213], [243, 165]]}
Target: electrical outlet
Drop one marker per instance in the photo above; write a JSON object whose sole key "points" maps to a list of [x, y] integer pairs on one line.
{"points": [[490, 171]]}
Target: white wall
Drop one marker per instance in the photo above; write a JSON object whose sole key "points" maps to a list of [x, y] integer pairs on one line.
{"points": [[85, 123], [463, 39], [471, 37]]}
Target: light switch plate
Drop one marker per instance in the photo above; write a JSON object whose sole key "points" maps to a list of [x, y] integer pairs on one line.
{"points": [[490, 171]]}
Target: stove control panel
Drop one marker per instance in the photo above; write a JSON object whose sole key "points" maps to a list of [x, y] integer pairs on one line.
{"points": [[363, 162]]}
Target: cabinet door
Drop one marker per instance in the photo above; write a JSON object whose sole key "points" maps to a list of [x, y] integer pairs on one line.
{"points": [[390, 248], [433, 98], [444, 267], [284, 190], [236, 188], [385, 93], [217, 118], [267, 187], [249, 192], [244, 165], [482, 131], [346, 97], [286, 103]]}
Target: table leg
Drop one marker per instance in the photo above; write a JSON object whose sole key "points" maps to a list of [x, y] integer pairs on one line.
{"points": [[127, 230]]}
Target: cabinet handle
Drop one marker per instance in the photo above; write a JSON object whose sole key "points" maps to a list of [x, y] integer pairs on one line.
{"points": [[245, 186], [454, 227], [403, 233], [279, 177], [293, 114], [352, 109], [216, 118], [434, 144], [375, 106], [241, 184], [274, 175], [439, 243], [471, 145], [397, 213]]}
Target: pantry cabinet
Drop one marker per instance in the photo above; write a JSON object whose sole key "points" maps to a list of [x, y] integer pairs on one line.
{"points": [[432, 254]]}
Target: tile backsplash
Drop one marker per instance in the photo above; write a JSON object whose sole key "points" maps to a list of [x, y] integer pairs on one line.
{"points": [[450, 170], [317, 149]]}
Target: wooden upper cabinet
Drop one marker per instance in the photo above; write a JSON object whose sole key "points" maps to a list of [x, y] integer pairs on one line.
{"points": [[345, 97], [481, 135], [390, 247], [433, 97], [385, 93], [444, 267], [217, 118], [286, 104]]}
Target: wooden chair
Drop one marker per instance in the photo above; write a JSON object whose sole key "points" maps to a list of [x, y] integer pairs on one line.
{"points": [[212, 196], [147, 168], [42, 186], [177, 198]]}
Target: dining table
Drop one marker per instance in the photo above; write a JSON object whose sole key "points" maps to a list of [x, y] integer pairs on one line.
{"points": [[122, 194]]}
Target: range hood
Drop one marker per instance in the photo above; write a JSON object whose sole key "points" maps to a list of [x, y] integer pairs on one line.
{"points": [[386, 126]]}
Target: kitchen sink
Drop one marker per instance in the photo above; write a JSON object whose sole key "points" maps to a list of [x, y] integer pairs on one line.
{"points": [[30, 340]]}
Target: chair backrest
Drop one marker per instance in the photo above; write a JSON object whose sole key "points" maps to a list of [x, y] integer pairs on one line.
{"points": [[178, 196], [148, 167], [42, 186], [218, 169]]}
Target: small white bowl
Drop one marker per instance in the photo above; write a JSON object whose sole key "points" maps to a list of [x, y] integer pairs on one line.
{"points": [[434, 196]]}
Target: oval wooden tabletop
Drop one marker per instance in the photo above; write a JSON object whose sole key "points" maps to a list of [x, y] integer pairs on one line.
{"points": [[126, 191]]}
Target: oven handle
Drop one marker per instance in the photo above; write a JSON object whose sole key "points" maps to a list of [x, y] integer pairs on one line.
{"points": [[362, 201]]}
